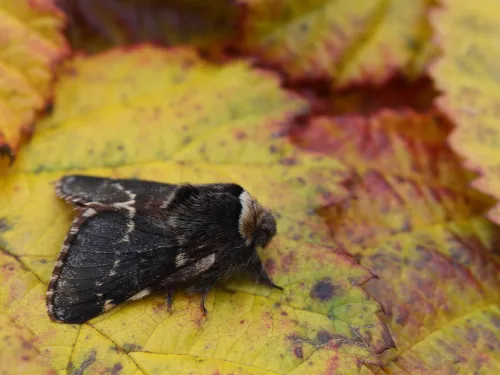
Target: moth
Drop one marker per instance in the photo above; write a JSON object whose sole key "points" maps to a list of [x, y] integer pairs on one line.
{"points": [[134, 237]]}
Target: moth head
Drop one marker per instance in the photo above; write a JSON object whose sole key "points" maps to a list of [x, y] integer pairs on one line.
{"points": [[257, 225]]}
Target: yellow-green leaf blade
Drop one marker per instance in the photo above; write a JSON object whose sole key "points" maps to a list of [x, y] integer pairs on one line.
{"points": [[187, 98], [346, 41], [468, 77], [18, 355]]}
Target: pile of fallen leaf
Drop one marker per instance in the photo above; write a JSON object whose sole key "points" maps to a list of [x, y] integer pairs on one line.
{"points": [[370, 126]]}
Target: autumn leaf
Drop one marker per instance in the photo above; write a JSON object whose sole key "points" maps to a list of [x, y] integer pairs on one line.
{"points": [[414, 222], [388, 262], [467, 75], [346, 41], [30, 45], [99, 24], [18, 355], [169, 116]]}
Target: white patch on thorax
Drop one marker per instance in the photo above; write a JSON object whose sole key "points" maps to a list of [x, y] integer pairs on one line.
{"points": [[247, 215]]}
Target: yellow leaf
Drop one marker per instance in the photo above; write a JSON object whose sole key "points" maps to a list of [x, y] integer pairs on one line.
{"points": [[428, 50], [415, 224], [468, 76], [18, 355], [348, 41], [169, 116], [30, 45]]}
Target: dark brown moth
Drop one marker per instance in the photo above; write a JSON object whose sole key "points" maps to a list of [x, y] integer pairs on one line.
{"points": [[134, 237]]}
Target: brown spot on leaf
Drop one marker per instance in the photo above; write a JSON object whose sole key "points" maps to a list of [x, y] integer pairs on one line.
{"points": [[117, 368], [3, 225], [159, 307], [128, 347], [358, 257], [27, 345], [495, 320], [301, 180], [240, 135], [288, 161], [324, 337], [298, 352], [472, 335], [323, 290]]}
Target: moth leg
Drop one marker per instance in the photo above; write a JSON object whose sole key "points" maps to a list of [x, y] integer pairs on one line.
{"points": [[202, 304], [264, 279], [257, 270], [170, 295], [203, 289]]}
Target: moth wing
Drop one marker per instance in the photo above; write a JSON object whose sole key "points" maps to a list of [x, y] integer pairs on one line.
{"points": [[81, 189], [103, 263], [123, 252]]}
